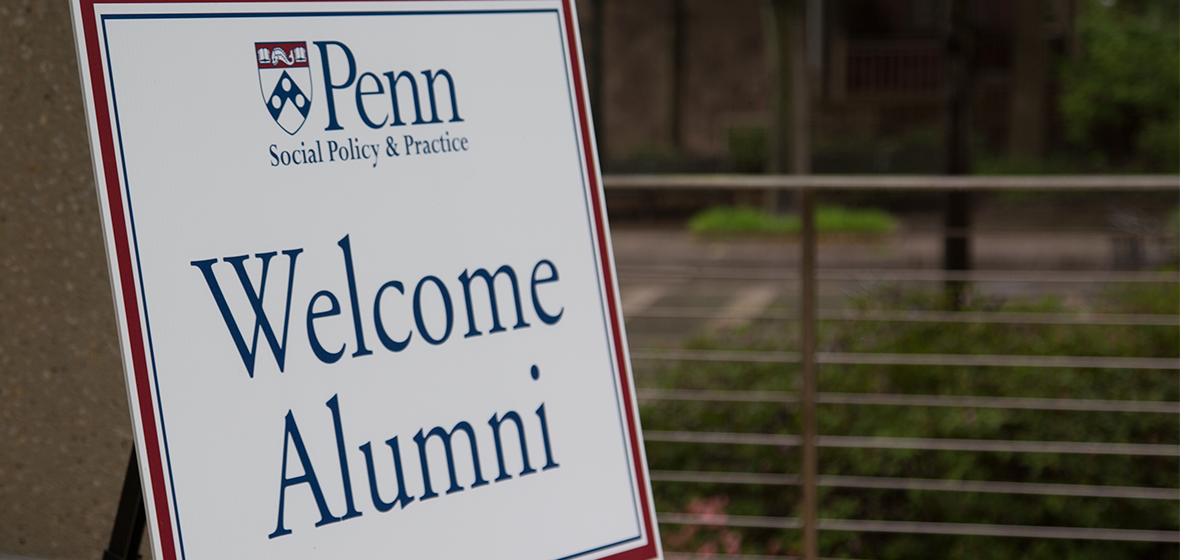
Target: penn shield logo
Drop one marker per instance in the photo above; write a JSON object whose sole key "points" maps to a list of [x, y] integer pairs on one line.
{"points": [[285, 78]]}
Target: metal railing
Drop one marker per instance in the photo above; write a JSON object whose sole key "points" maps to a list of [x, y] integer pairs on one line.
{"points": [[1110, 183], [805, 277]]}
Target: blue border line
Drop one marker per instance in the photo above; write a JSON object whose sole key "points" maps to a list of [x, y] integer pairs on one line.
{"points": [[598, 277], [135, 237], [326, 14], [142, 293], [603, 547]]}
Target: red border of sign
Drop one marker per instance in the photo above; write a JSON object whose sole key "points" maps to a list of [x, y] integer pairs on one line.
{"points": [[127, 289], [118, 221]]}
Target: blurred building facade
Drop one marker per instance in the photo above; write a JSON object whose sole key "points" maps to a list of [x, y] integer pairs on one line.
{"points": [[688, 84]]}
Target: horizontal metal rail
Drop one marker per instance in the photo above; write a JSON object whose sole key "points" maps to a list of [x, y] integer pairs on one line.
{"points": [[885, 483], [930, 444], [1041, 232], [990, 317], [864, 358], [893, 399], [896, 182], [782, 440], [632, 272], [784, 271], [718, 395], [922, 527], [860, 442]]}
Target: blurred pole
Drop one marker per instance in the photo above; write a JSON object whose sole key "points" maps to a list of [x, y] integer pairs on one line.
{"points": [[814, 30], [959, 61], [790, 146], [593, 50], [1028, 120], [800, 145], [675, 88], [791, 153], [959, 45], [807, 402]]}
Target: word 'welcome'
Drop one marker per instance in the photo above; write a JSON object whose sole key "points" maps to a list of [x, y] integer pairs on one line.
{"points": [[427, 288]]}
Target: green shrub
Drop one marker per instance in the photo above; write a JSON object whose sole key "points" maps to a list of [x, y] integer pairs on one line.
{"points": [[932, 422], [1121, 99], [748, 148], [828, 219], [1173, 221]]}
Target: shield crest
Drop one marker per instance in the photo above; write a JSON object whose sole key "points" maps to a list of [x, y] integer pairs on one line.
{"points": [[285, 78]]}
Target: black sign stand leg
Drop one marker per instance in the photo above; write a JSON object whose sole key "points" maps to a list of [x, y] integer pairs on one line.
{"points": [[130, 518]]}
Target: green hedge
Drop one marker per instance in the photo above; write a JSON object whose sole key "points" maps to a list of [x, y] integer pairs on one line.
{"points": [[828, 219], [931, 422]]}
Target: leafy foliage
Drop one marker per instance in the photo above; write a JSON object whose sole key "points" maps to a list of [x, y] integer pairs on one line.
{"points": [[1121, 98], [931, 422], [828, 219]]}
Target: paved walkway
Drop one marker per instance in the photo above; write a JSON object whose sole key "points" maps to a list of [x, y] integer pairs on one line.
{"points": [[658, 289]]}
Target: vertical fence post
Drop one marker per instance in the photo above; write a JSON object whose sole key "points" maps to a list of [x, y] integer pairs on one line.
{"points": [[810, 460]]}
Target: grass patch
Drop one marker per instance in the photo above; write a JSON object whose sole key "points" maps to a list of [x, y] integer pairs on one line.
{"points": [[828, 219], [1173, 221]]}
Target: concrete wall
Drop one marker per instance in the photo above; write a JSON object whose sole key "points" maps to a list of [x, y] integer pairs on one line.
{"points": [[65, 430], [723, 77]]}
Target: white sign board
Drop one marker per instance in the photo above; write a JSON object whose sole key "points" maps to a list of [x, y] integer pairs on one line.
{"points": [[364, 281]]}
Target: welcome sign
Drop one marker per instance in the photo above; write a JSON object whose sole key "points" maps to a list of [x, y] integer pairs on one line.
{"points": [[364, 281]]}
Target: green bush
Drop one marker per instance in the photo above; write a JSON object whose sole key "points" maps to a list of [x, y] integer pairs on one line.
{"points": [[828, 219], [1173, 221], [1121, 99], [748, 148], [932, 422]]}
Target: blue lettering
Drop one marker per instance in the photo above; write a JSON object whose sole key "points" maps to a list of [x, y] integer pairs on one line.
{"points": [[360, 102], [329, 85], [421, 322], [392, 78], [391, 344], [403, 499], [545, 317], [312, 315], [430, 78], [261, 321], [308, 477], [441, 321], [397, 115], [334, 405], [490, 281], [292, 437], [346, 247], [446, 440], [549, 462], [524, 449]]}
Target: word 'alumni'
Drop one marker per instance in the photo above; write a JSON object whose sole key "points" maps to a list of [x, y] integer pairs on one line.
{"points": [[293, 439]]}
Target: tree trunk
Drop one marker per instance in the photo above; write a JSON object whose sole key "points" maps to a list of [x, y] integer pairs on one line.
{"points": [[594, 48], [957, 119], [790, 139], [1030, 60], [675, 89]]}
